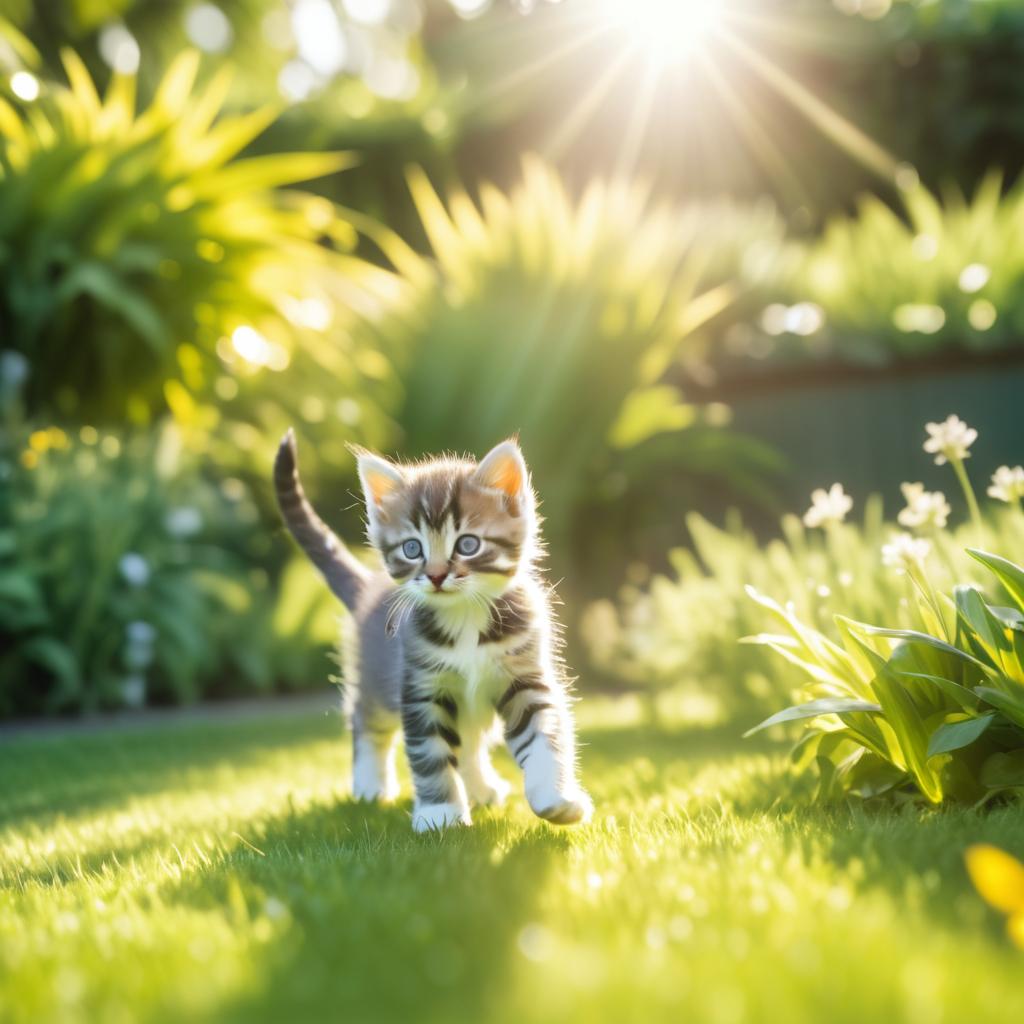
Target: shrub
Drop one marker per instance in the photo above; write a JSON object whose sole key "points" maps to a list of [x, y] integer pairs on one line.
{"points": [[881, 287], [125, 578], [147, 266], [681, 631], [937, 710], [556, 319]]}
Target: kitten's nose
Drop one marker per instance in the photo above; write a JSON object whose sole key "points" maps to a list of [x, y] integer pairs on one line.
{"points": [[438, 581]]}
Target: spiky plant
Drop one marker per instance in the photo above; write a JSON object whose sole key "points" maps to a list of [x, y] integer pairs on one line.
{"points": [[132, 243]]}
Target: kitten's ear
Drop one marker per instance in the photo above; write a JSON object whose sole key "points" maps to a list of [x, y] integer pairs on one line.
{"points": [[379, 479], [503, 469]]}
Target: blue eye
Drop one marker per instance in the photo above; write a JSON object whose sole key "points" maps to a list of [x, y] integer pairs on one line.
{"points": [[467, 544], [412, 549]]}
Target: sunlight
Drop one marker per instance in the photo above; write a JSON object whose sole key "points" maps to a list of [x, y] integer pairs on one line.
{"points": [[667, 31]]}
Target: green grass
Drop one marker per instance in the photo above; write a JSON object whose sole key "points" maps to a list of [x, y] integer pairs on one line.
{"points": [[218, 871]]}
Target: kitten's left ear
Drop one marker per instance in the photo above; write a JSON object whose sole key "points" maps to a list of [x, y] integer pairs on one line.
{"points": [[503, 469]]}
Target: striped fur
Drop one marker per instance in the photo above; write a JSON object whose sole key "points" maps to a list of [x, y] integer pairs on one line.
{"points": [[454, 641]]}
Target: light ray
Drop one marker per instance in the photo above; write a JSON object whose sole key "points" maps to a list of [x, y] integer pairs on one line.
{"points": [[585, 107], [842, 132], [535, 67], [643, 107], [760, 142]]}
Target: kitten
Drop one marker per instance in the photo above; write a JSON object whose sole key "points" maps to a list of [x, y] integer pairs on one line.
{"points": [[455, 642]]}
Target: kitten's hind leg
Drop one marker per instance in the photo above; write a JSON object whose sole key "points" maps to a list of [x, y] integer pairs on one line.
{"points": [[373, 762], [484, 786]]}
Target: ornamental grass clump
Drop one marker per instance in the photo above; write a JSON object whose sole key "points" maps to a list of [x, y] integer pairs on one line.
{"points": [[934, 710]]}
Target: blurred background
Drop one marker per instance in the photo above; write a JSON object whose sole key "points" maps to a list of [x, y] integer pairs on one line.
{"points": [[699, 279]]}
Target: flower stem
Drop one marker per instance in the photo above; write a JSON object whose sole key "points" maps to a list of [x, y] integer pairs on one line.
{"points": [[965, 483]]}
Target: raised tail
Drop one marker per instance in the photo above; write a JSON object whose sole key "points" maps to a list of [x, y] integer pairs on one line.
{"points": [[344, 574]]}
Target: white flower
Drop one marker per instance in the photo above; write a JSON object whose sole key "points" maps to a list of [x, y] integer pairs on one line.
{"points": [[904, 552], [924, 508], [184, 521], [14, 369], [828, 506], [1007, 484], [133, 690], [140, 632], [948, 441], [134, 568]]}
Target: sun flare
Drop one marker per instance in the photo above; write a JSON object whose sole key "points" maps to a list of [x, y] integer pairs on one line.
{"points": [[666, 31]]}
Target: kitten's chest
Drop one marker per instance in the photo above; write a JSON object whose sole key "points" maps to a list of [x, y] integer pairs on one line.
{"points": [[457, 644]]}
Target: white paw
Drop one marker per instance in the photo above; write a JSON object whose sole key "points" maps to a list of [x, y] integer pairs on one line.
{"points": [[434, 817], [373, 791], [569, 808], [490, 792]]}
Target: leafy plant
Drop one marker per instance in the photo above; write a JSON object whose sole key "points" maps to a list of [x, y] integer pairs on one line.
{"points": [[556, 319], [125, 578], [144, 262], [887, 285], [679, 631], [938, 709]]}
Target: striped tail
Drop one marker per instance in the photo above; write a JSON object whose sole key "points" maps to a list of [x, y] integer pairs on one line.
{"points": [[344, 575]]}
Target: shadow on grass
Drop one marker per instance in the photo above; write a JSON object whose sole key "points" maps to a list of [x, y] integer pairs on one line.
{"points": [[379, 924], [68, 775]]}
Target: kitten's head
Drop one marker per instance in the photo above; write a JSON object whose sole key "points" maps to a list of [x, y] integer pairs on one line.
{"points": [[450, 528]]}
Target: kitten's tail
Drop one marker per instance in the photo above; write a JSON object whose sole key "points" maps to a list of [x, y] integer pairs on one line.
{"points": [[343, 573]]}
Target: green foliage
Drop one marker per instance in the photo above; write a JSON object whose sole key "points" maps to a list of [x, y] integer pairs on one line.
{"points": [[133, 248], [682, 630], [556, 319], [943, 276], [125, 578], [221, 860], [938, 709]]}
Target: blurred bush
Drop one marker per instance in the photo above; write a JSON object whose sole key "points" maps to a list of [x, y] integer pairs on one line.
{"points": [[941, 280], [683, 630], [126, 577], [139, 254], [556, 319]]}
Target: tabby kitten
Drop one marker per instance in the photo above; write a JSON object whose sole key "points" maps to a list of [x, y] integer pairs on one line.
{"points": [[454, 642]]}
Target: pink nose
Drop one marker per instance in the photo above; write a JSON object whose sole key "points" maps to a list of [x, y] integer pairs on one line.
{"points": [[437, 580]]}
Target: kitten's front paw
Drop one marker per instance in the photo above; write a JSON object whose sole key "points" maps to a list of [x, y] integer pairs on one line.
{"points": [[562, 808], [492, 792], [434, 817]]}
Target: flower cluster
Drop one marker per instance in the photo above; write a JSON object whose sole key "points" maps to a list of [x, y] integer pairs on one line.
{"points": [[1007, 484], [829, 506], [949, 440], [924, 508], [905, 553]]}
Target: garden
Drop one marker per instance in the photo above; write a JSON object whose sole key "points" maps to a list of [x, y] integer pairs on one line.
{"points": [[744, 279]]}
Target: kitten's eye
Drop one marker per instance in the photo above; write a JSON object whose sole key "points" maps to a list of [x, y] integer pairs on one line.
{"points": [[467, 544], [412, 549]]}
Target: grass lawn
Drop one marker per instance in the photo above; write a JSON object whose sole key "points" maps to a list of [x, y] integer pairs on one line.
{"points": [[218, 872]]}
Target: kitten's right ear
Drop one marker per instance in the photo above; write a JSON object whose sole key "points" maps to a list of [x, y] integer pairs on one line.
{"points": [[379, 479]]}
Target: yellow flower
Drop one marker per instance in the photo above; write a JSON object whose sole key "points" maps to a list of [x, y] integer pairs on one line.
{"points": [[999, 879]]}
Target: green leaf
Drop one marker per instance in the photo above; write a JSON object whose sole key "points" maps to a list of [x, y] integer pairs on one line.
{"points": [[955, 735], [99, 282], [650, 411], [963, 696], [904, 718], [1011, 576], [1012, 707], [1003, 771], [813, 709]]}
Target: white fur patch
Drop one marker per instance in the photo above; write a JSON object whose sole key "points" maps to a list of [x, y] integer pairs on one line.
{"points": [[434, 817], [373, 769]]}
